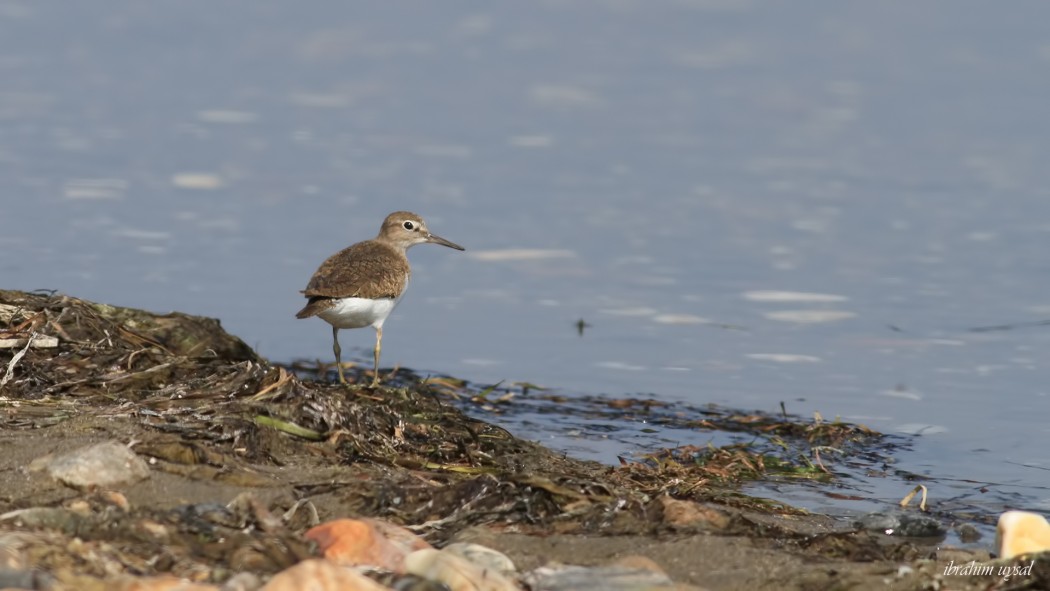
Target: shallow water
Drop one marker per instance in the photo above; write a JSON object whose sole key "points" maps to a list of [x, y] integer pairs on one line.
{"points": [[747, 203]]}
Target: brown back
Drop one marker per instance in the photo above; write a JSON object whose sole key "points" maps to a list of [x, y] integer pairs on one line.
{"points": [[368, 269]]}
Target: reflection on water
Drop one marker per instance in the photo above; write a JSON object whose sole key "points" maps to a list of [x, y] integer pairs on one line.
{"points": [[744, 204]]}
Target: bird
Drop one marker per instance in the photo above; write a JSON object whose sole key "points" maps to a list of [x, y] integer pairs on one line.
{"points": [[361, 285]]}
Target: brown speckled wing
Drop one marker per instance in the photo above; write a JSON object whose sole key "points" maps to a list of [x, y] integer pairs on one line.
{"points": [[368, 269]]}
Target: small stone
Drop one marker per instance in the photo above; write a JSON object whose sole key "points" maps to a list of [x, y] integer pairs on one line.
{"points": [[637, 575], [16, 580], [456, 572], [365, 542], [161, 584], [409, 582], [44, 517], [12, 550], [637, 562], [902, 523], [116, 499], [247, 505], [79, 506], [968, 533], [689, 514], [878, 521], [913, 525], [102, 465], [242, 582], [153, 529], [404, 538], [483, 557], [321, 575]]}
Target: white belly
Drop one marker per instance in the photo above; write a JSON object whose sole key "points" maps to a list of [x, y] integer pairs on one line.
{"points": [[359, 312]]}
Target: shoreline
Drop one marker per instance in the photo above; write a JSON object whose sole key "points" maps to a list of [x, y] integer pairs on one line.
{"points": [[214, 422]]}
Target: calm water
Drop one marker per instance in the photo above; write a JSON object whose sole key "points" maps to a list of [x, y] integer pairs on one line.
{"points": [[748, 202]]}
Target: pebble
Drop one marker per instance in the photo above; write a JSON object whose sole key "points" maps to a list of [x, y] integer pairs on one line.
{"points": [[102, 465], [116, 499], [403, 538], [968, 533], [408, 582], [456, 572], [248, 506], [12, 550], [365, 542], [242, 582], [902, 523], [43, 517], [1021, 532], [161, 584], [637, 562], [484, 557], [689, 514], [321, 575], [634, 574], [917, 525], [21, 579], [153, 529]]}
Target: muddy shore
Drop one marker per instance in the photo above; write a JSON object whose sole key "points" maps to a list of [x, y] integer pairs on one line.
{"points": [[232, 440]]}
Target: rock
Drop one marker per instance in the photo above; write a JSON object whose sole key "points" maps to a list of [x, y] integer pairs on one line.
{"points": [[15, 580], [404, 538], [79, 506], [153, 529], [1021, 532], [116, 499], [12, 550], [636, 574], [161, 584], [321, 575], [902, 523], [365, 542], [919, 525], [483, 557], [678, 513], [968, 533], [45, 517], [456, 572], [637, 562], [247, 505], [16, 571], [408, 582], [105, 464], [878, 522], [242, 582]]}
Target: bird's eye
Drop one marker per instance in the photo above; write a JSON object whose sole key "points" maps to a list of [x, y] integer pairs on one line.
{"points": [[409, 226]]}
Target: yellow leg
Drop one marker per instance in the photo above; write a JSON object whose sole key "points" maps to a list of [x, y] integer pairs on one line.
{"points": [[338, 354], [379, 346]]}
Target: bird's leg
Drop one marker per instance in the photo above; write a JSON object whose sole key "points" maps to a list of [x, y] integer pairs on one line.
{"points": [[338, 354], [379, 346]]}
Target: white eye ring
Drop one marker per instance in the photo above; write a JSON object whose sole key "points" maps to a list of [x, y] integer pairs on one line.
{"points": [[408, 225]]}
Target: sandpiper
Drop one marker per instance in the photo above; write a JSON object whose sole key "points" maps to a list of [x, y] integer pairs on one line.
{"points": [[362, 284]]}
